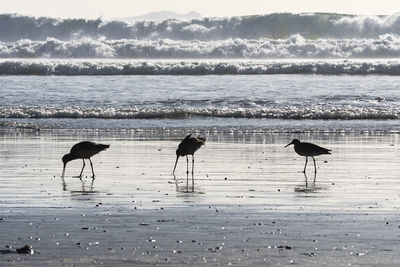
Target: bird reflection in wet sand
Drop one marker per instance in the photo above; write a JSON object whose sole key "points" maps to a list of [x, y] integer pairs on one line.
{"points": [[185, 189], [309, 187], [308, 150], [83, 150], [86, 190], [188, 146]]}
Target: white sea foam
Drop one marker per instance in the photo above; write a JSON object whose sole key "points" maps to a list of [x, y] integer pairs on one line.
{"points": [[272, 36], [197, 67], [314, 112], [295, 46]]}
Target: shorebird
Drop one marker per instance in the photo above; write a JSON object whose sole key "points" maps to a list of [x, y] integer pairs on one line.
{"points": [[308, 150], [188, 146], [83, 150]]}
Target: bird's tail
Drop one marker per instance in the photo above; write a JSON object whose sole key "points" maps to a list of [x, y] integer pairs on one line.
{"points": [[102, 146]]}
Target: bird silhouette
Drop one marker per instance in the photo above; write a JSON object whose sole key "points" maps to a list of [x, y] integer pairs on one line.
{"points": [[308, 150], [188, 146], [83, 150]]}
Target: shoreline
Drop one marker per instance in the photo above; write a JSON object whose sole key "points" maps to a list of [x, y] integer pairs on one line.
{"points": [[250, 205]]}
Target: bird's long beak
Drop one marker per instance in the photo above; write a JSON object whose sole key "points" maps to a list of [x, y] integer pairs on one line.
{"points": [[289, 144], [62, 177], [63, 171], [176, 162]]}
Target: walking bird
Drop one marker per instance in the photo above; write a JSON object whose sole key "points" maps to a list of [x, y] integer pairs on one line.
{"points": [[83, 150], [308, 150], [188, 146]]}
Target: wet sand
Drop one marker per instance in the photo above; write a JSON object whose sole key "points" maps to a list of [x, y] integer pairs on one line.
{"points": [[251, 204]]}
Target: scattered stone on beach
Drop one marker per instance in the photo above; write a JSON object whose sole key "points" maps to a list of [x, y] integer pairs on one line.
{"points": [[27, 249], [310, 254], [284, 247]]}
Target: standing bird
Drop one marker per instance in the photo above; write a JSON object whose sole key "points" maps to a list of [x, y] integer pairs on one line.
{"points": [[188, 146], [308, 150], [83, 150]]}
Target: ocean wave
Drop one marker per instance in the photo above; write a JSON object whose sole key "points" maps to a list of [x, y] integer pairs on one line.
{"points": [[319, 25], [202, 67], [384, 46], [314, 112]]}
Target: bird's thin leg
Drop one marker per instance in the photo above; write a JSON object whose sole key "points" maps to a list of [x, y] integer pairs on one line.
{"points": [[192, 164], [315, 166], [62, 179], [306, 179], [83, 167], [187, 182], [187, 164], [91, 165], [192, 182], [192, 172], [304, 171]]}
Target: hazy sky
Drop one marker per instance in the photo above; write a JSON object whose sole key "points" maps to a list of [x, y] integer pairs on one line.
{"points": [[126, 8]]}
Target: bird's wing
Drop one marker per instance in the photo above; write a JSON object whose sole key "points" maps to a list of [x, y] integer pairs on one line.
{"points": [[316, 149], [81, 145], [185, 140], [196, 142]]}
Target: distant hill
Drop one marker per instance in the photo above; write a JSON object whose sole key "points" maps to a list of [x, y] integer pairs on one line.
{"points": [[163, 15]]}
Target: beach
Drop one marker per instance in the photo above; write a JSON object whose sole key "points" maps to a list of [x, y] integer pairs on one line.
{"points": [[249, 84], [250, 205]]}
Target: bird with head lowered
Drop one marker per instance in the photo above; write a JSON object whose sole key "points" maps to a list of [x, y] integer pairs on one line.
{"points": [[83, 150], [188, 146]]}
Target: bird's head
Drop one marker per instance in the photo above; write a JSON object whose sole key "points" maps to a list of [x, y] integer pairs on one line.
{"points": [[179, 152], [294, 142], [67, 158]]}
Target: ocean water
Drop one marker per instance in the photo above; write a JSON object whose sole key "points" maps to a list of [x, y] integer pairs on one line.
{"points": [[276, 72], [219, 102]]}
